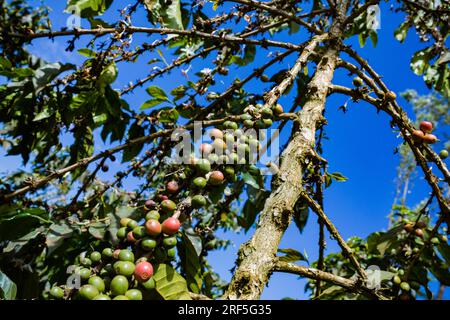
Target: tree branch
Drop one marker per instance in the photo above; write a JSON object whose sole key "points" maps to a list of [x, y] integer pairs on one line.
{"points": [[311, 273]]}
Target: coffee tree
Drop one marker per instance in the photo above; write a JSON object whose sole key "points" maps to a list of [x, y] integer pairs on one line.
{"points": [[191, 153]]}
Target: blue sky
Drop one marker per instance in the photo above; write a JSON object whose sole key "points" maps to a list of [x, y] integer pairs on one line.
{"points": [[361, 143]]}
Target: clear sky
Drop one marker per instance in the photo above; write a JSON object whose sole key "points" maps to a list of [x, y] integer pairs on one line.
{"points": [[361, 143]]}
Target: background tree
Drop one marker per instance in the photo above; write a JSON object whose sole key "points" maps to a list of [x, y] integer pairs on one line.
{"points": [[57, 211]]}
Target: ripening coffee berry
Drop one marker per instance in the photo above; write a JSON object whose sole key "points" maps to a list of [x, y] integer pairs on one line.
{"points": [[168, 206], [143, 271], [153, 227], [443, 154], [134, 294], [95, 256], [152, 215], [170, 226], [430, 138], [216, 178], [426, 126]]}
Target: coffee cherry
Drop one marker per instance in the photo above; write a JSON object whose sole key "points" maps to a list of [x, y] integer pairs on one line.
{"points": [[405, 286], [246, 116], [149, 204], [150, 284], [248, 123], [119, 285], [84, 273], [408, 227], [233, 158], [229, 171], [219, 145], [132, 224], [203, 165], [418, 135], [124, 268], [95, 256], [426, 126], [143, 271], [199, 182], [170, 242], [97, 282], [116, 253], [443, 154], [213, 158], [153, 227], [107, 253], [162, 197], [216, 133], [171, 253], [230, 125], [148, 244], [278, 109], [243, 150], [254, 144], [57, 292], [206, 149], [216, 178], [86, 262], [134, 294], [266, 113], [357, 82], [170, 226], [397, 280], [172, 187], [198, 201], [419, 233], [88, 292], [139, 232], [152, 215], [263, 123], [130, 237], [122, 233], [124, 221], [126, 255], [121, 297], [430, 138], [102, 297], [168, 206], [265, 78]]}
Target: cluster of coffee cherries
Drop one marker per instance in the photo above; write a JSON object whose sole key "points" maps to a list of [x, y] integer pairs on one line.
{"points": [[126, 273], [424, 135]]}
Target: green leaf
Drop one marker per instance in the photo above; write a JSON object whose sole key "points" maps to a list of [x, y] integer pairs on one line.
{"points": [[98, 230], [8, 289], [131, 152], [87, 8], [169, 284], [168, 115], [402, 31], [157, 93], [44, 114], [250, 180], [151, 103], [291, 255], [171, 15], [190, 264], [87, 52]]}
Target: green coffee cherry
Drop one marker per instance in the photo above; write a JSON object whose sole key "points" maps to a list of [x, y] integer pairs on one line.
{"points": [[57, 292], [88, 292], [97, 282]]}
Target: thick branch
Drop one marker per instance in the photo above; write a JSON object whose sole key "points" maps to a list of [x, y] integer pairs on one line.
{"points": [[311, 273]]}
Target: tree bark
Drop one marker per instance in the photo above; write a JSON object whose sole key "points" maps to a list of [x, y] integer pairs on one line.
{"points": [[257, 257]]}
